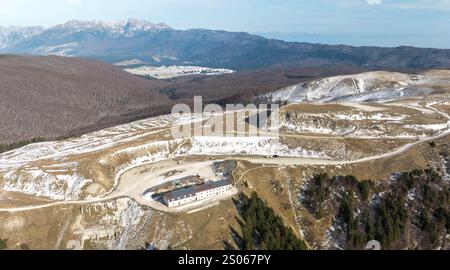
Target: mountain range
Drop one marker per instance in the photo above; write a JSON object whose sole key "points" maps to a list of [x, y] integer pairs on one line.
{"points": [[146, 43]]}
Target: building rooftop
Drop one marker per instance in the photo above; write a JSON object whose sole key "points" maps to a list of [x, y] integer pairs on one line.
{"points": [[192, 191]]}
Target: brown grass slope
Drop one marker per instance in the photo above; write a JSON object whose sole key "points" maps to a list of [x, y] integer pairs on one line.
{"points": [[50, 97], [53, 96]]}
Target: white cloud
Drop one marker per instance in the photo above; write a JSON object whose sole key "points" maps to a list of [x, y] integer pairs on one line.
{"points": [[374, 2]]}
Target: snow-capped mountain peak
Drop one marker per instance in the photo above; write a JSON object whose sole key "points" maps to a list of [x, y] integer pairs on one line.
{"points": [[127, 28], [68, 39], [132, 26], [12, 35], [143, 25]]}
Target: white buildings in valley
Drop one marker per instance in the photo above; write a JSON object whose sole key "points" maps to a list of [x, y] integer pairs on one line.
{"points": [[197, 193]]}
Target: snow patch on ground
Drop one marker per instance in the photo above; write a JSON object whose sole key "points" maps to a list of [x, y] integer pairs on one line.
{"points": [[311, 128], [375, 117], [258, 146], [129, 63], [167, 72], [59, 50], [129, 216], [436, 127], [42, 184], [88, 143], [370, 86]]}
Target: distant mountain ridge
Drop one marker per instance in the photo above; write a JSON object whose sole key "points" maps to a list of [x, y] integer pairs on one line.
{"points": [[159, 44], [127, 28]]}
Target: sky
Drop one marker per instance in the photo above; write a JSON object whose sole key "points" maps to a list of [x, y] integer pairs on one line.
{"points": [[421, 23]]}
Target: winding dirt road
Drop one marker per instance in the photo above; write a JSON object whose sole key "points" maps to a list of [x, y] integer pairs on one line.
{"points": [[135, 190]]}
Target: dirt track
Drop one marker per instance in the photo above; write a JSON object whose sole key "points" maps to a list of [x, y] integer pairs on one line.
{"points": [[132, 183]]}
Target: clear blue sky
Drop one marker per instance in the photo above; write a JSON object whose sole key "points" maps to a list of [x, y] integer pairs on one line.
{"points": [[424, 23]]}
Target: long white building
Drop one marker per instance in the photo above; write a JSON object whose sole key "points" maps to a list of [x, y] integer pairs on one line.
{"points": [[196, 193]]}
